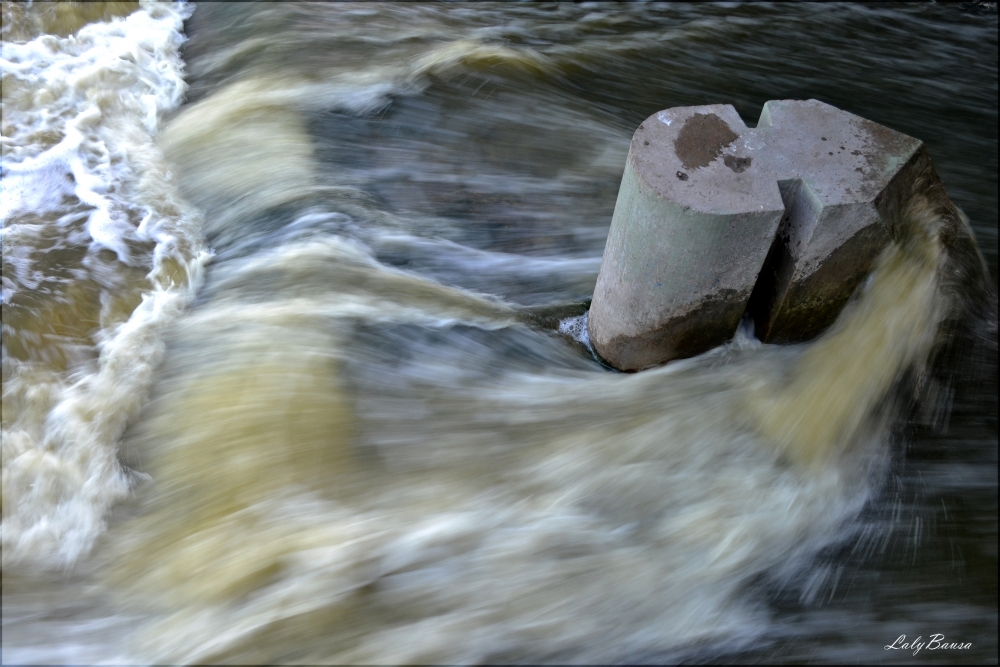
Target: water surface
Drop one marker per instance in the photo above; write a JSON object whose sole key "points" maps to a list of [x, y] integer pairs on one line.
{"points": [[293, 367]]}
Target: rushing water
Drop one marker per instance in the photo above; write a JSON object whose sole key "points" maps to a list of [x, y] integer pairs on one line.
{"points": [[293, 362]]}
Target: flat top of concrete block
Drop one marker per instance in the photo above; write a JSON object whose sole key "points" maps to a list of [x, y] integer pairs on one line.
{"points": [[705, 158]]}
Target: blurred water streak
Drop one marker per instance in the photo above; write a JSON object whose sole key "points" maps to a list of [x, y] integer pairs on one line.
{"points": [[365, 439]]}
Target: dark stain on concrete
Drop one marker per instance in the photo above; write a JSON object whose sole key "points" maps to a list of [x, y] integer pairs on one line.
{"points": [[702, 139], [737, 164], [711, 322]]}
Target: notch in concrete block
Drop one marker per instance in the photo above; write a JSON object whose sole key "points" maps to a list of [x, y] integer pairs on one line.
{"points": [[714, 219], [802, 212]]}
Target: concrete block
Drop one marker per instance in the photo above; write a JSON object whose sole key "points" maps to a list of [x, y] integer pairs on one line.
{"points": [[715, 219]]}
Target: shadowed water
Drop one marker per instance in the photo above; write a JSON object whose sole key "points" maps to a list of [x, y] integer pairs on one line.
{"points": [[294, 370]]}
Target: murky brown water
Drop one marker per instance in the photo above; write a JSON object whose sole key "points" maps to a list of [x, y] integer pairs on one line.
{"points": [[289, 371]]}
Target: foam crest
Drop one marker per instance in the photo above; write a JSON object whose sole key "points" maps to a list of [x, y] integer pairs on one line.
{"points": [[81, 326]]}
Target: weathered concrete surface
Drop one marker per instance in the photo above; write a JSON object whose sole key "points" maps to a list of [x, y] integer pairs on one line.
{"points": [[714, 219], [687, 240], [838, 194]]}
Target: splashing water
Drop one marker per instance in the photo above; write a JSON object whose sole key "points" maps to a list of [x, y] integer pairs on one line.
{"points": [[99, 255], [372, 430], [477, 504]]}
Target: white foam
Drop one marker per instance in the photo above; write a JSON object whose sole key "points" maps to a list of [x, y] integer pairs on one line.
{"points": [[576, 328], [80, 115], [81, 89]]}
